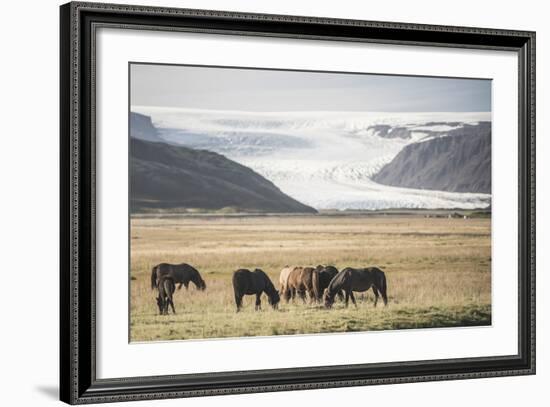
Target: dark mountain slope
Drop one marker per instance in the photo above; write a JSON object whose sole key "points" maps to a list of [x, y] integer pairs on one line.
{"points": [[459, 162], [142, 128], [165, 176]]}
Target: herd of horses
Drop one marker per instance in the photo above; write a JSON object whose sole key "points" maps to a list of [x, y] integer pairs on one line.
{"points": [[318, 283]]}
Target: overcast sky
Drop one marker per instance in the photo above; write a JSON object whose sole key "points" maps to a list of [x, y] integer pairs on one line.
{"points": [[268, 90]]}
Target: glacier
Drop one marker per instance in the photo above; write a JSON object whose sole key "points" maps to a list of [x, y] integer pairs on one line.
{"points": [[322, 159]]}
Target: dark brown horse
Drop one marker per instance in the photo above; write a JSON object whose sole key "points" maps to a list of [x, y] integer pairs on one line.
{"points": [[350, 280], [246, 282], [181, 273], [166, 287], [301, 280]]}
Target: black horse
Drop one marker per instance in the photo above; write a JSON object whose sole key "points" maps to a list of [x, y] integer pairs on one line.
{"points": [[166, 287], [350, 280], [246, 282], [326, 274], [181, 273]]}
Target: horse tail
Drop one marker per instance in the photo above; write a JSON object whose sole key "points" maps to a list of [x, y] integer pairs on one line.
{"points": [[154, 278], [236, 283], [383, 287], [315, 284]]}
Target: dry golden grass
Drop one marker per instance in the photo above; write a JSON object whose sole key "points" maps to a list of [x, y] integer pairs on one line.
{"points": [[438, 272]]}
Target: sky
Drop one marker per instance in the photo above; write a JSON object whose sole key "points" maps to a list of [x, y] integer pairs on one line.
{"points": [[259, 90]]}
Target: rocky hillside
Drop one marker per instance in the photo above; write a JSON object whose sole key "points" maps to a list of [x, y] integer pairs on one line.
{"points": [[457, 162], [165, 176]]}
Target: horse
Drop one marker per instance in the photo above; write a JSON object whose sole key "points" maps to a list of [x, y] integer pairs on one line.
{"points": [[246, 282], [166, 287], [301, 280], [283, 278], [350, 280], [181, 273], [326, 274]]}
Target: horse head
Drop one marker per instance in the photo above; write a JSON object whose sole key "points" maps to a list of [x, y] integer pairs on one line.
{"points": [[274, 298], [198, 281], [201, 285], [329, 299]]}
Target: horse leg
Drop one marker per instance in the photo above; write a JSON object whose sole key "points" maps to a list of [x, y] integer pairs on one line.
{"points": [[287, 294], [352, 298], [302, 294], [375, 295], [172, 305], [186, 284], [238, 301], [258, 302], [179, 286], [164, 307], [159, 304], [346, 298], [312, 297]]}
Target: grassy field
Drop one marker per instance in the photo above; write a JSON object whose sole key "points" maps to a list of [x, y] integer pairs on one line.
{"points": [[438, 272]]}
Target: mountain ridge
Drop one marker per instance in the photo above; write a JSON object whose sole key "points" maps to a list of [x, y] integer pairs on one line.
{"points": [[141, 127], [457, 162]]}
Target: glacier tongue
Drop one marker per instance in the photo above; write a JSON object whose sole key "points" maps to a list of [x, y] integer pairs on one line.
{"points": [[323, 159]]}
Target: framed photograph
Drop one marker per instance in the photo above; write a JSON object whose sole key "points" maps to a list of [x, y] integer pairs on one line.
{"points": [[290, 202]]}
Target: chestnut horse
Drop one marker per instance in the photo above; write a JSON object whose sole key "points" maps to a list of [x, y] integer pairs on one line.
{"points": [[283, 278], [301, 280]]}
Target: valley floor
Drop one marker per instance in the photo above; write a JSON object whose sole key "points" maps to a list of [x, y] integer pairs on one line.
{"points": [[438, 272]]}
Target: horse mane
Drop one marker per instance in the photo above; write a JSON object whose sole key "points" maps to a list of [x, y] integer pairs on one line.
{"points": [[193, 275], [268, 283], [335, 284], [260, 271]]}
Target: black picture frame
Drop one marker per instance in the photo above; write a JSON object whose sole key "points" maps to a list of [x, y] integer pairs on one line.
{"points": [[78, 382]]}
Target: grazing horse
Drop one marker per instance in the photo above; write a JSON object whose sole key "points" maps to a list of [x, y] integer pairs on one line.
{"points": [[246, 282], [350, 280], [283, 279], [166, 287], [301, 280], [326, 274], [181, 273]]}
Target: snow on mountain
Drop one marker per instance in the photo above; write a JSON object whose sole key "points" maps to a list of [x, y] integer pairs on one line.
{"points": [[323, 159]]}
